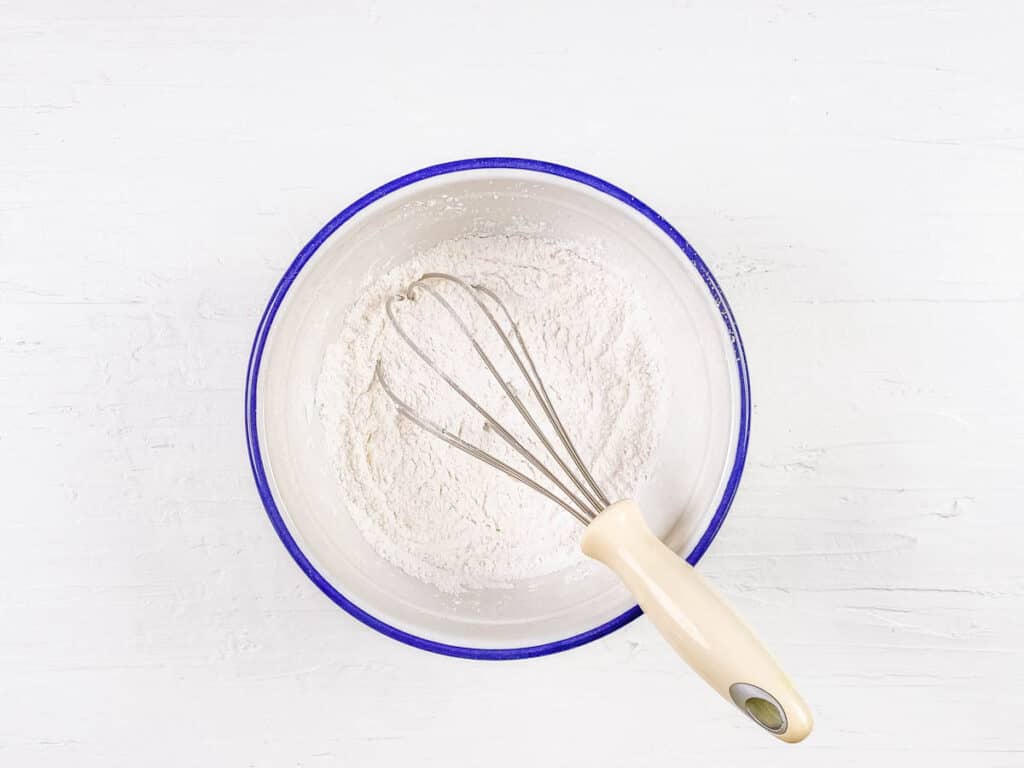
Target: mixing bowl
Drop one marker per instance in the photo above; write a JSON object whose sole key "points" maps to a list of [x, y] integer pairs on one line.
{"points": [[696, 469]]}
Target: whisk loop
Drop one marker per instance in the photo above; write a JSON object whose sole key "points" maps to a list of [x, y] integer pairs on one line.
{"points": [[585, 499]]}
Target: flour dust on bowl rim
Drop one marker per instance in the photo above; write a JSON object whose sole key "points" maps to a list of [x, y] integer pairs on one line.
{"points": [[696, 469]]}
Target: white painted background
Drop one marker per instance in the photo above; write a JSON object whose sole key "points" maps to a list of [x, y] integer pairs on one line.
{"points": [[852, 172]]}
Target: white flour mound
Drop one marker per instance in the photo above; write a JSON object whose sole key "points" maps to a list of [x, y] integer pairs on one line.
{"points": [[440, 515]]}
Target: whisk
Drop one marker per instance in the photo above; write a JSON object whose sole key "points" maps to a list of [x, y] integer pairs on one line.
{"points": [[688, 612]]}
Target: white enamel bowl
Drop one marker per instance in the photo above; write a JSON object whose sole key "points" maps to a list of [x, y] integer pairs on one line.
{"points": [[696, 469]]}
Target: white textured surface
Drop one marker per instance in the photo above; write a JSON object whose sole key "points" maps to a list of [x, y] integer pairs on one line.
{"points": [[854, 175]]}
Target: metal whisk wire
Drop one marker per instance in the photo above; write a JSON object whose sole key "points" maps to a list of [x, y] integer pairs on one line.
{"points": [[588, 500], [540, 391]]}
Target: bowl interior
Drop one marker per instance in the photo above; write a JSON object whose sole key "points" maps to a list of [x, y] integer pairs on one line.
{"points": [[691, 467]]}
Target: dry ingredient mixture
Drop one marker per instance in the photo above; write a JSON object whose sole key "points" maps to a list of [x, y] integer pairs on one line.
{"points": [[431, 510]]}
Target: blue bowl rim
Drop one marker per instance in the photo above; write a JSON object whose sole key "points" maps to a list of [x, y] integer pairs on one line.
{"points": [[277, 297]]}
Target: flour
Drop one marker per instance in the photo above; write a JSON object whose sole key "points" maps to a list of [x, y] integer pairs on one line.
{"points": [[428, 508]]}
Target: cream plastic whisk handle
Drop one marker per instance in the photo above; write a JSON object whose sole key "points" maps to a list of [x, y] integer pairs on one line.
{"points": [[697, 622]]}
